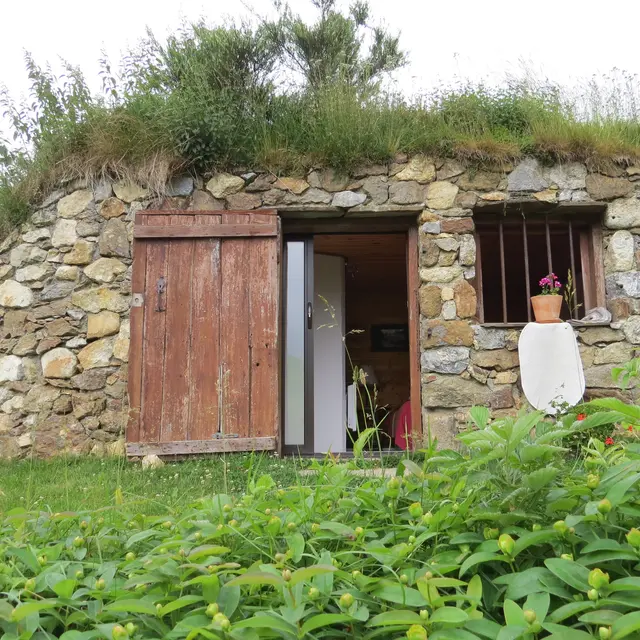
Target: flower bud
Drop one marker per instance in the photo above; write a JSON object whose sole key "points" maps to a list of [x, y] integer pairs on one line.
{"points": [[426, 518], [404, 578], [530, 616], [131, 628], [84, 524], [346, 600], [604, 633], [506, 544], [292, 526], [593, 480], [222, 621], [561, 527], [315, 527], [227, 508], [536, 527], [358, 531], [286, 575], [100, 584], [79, 574], [633, 538], [424, 614], [598, 579], [130, 557], [42, 560], [604, 506], [416, 632], [415, 510], [119, 632], [491, 534], [314, 593], [30, 584], [212, 609], [233, 522], [593, 595], [567, 556]]}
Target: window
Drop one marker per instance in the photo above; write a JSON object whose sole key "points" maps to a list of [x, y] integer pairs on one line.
{"points": [[515, 251]]}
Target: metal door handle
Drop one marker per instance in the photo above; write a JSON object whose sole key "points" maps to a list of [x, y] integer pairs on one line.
{"points": [[161, 288], [309, 316]]}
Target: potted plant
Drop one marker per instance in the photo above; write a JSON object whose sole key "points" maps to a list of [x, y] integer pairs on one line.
{"points": [[547, 305]]}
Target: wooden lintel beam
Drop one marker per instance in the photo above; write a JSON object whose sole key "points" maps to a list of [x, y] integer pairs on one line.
{"points": [[205, 231]]}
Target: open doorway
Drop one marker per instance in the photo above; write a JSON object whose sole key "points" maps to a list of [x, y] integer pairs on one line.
{"points": [[345, 311]]}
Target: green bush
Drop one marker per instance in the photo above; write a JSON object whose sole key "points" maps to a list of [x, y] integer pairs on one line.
{"points": [[509, 540]]}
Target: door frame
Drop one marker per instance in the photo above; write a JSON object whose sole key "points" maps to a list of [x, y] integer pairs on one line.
{"points": [[305, 229]]}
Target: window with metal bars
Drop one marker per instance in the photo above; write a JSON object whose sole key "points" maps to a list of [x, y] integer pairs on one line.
{"points": [[515, 251]]}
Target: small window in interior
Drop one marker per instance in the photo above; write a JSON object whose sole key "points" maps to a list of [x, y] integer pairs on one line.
{"points": [[515, 252]]}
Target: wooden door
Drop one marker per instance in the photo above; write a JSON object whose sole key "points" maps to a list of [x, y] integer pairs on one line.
{"points": [[204, 359]]}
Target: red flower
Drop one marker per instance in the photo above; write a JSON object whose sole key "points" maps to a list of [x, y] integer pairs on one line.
{"points": [[581, 416], [609, 441], [630, 429]]}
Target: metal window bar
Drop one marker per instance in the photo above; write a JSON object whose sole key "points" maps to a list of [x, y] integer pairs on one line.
{"points": [[526, 266], [548, 234], [574, 311], [502, 272]]}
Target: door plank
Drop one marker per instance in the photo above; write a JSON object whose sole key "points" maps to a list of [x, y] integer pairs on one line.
{"points": [[175, 415], [154, 335], [205, 230], [205, 336], [263, 330], [413, 287], [219, 445], [234, 332]]}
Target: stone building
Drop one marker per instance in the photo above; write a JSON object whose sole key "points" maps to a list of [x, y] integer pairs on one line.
{"points": [[69, 343]]}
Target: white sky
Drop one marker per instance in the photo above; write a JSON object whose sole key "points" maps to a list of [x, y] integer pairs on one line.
{"points": [[563, 39]]}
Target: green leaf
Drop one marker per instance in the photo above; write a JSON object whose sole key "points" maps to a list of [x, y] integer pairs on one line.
{"points": [[483, 627], [601, 617], [540, 478], [474, 590], [267, 621], [449, 615], [479, 558], [400, 594], [397, 617], [207, 550], [256, 577], [574, 574], [570, 609], [630, 411], [539, 602], [304, 575], [338, 528], [533, 452], [534, 538], [603, 544], [132, 606], [181, 602], [296, 544], [479, 416], [452, 634], [64, 588], [513, 614], [27, 608], [607, 556], [323, 620], [26, 556], [412, 467], [523, 426], [560, 632], [616, 493], [625, 625], [229, 599], [140, 536], [631, 583]]}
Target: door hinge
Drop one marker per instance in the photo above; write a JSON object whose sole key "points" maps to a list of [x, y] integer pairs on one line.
{"points": [[161, 289], [137, 300]]}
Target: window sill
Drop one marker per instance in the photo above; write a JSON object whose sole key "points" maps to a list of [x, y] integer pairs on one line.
{"points": [[520, 325]]}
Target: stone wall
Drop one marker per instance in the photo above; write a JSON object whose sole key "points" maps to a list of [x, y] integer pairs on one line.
{"points": [[65, 287]]}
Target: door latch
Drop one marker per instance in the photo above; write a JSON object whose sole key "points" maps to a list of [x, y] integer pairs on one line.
{"points": [[309, 315], [161, 289]]}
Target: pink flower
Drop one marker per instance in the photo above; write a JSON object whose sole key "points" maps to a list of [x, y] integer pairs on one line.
{"points": [[558, 285]]}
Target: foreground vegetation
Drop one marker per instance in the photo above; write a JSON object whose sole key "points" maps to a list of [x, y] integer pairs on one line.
{"points": [[285, 95], [519, 537]]}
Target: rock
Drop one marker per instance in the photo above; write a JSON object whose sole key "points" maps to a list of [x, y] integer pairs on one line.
{"points": [[117, 449], [224, 184], [59, 363], [59, 327], [441, 195], [454, 392], [453, 213], [63, 405], [506, 377], [112, 208], [26, 345], [450, 169], [377, 188], [620, 252], [495, 196], [105, 323], [24, 440], [626, 283], [95, 300], [25, 254], [489, 338], [614, 353], [437, 333], [467, 252], [5, 270], [479, 181], [429, 252], [73, 204], [96, 354], [464, 296], [430, 227], [621, 214], [57, 290], [261, 183], [36, 235], [600, 377], [464, 225], [105, 269], [15, 295], [67, 273], [445, 359], [329, 180], [114, 239], [152, 462], [64, 233], [121, 345], [604, 188], [446, 293], [294, 185], [102, 190], [76, 342], [43, 218], [631, 329], [13, 405], [91, 380], [407, 193], [596, 335], [500, 359], [11, 369], [449, 310], [567, 176], [366, 170], [447, 258], [430, 301], [244, 201], [129, 191], [466, 200], [527, 176], [310, 196], [419, 168], [32, 273], [41, 398], [180, 186], [47, 344], [440, 274], [82, 253], [548, 195], [203, 201], [447, 243], [347, 199]]}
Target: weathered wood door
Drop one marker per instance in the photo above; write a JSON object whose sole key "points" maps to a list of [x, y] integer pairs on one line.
{"points": [[204, 360]]}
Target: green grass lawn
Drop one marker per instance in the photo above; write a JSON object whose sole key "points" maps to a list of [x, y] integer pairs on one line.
{"points": [[78, 484]]}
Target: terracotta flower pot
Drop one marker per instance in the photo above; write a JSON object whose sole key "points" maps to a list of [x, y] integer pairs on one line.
{"points": [[547, 308]]}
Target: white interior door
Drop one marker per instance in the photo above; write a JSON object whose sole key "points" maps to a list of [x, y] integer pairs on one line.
{"points": [[330, 431]]}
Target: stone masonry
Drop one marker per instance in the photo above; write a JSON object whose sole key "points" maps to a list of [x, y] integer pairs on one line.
{"points": [[65, 287]]}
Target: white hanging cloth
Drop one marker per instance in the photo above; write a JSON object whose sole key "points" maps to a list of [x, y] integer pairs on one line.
{"points": [[550, 366]]}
